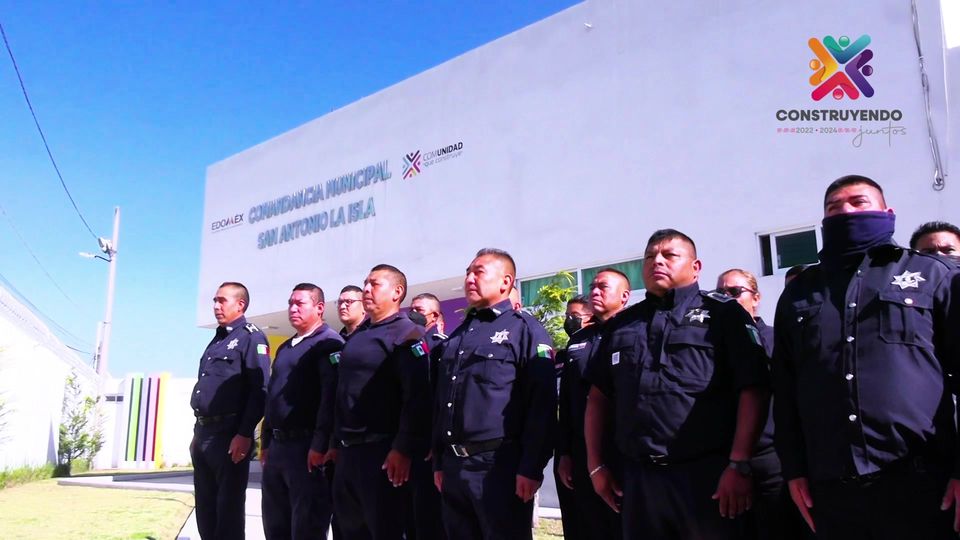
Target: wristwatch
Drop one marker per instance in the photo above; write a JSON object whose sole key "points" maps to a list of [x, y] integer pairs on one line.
{"points": [[742, 467]]}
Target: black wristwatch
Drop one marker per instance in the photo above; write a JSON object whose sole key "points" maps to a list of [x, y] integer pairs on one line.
{"points": [[742, 467]]}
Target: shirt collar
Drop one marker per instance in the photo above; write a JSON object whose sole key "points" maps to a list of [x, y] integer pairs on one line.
{"points": [[675, 297], [226, 329], [491, 312]]}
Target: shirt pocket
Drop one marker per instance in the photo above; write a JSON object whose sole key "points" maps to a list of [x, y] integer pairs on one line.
{"points": [[906, 318], [804, 329], [225, 364], [493, 365], [623, 360], [688, 360]]}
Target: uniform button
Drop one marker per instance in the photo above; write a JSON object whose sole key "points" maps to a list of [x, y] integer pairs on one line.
{"points": [[490, 355], [848, 376], [203, 374], [449, 405], [449, 434], [198, 392], [850, 339], [859, 272], [453, 378], [471, 329], [461, 352], [800, 318], [852, 305], [908, 301], [852, 418]]}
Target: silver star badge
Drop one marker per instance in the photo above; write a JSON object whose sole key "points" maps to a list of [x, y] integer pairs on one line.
{"points": [[907, 280], [697, 314], [233, 344], [499, 337]]}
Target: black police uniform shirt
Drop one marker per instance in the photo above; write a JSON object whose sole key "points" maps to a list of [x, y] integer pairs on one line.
{"points": [[303, 386], [232, 379], [574, 388], [674, 367], [497, 381], [383, 386], [863, 351], [765, 442]]}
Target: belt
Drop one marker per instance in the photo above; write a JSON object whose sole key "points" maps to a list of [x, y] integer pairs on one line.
{"points": [[473, 448], [207, 420], [366, 438], [909, 464], [290, 434]]}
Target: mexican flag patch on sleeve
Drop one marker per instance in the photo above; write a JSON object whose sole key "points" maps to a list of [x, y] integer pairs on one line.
{"points": [[544, 351], [335, 358], [263, 348], [420, 349]]}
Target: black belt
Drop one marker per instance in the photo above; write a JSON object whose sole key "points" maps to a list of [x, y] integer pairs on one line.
{"points": [[909, 464], [473, 448], [366, 438], [662, 460], [290, 434], [207, 420]]}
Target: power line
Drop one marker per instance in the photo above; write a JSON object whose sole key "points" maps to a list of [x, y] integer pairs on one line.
{"points": [[37, 260], [40, 130], [56, 326]]}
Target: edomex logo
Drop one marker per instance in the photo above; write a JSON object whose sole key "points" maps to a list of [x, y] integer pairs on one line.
{"points": [[841, 67]]}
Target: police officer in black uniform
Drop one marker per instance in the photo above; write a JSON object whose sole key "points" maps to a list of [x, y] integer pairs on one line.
{"points": [[425, 522], [685, 374], [495, 409], [298, 423], [382, 415], [865, 344], [591, 517], [228, 402], [350, 310]]}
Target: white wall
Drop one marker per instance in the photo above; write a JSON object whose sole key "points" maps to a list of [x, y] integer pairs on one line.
{"points": [[579, 141]]}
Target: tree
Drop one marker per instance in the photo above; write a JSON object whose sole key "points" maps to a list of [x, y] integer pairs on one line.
{"points": [[81, 433], [550, 306]]}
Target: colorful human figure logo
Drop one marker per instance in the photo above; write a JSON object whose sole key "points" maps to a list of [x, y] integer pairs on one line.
{"points": [[411, 164], [841, 68]]}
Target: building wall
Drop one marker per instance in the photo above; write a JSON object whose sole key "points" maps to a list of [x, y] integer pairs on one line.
{"points": [[574, 138]]}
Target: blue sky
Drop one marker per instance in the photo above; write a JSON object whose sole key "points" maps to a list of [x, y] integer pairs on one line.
{"points": [[137, 99]]}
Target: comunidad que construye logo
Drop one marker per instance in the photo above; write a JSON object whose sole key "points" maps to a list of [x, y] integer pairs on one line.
{"points": [[411, 164], [841, 68]]}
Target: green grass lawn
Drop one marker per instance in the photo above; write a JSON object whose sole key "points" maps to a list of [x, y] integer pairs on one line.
{"points": [[548, 529], [44, 510]]}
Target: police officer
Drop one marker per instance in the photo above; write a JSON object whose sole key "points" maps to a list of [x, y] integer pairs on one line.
{"points": [[495, 409], [773, 516], [298, 422], [937, 238], [586, 516], [426, 522], [350, 310], [685, 374], [864, 343], [228, 403], [382, 413]]}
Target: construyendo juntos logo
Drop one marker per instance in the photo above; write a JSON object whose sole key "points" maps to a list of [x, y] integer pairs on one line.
{"points": [[416, 162], [841, 68]]}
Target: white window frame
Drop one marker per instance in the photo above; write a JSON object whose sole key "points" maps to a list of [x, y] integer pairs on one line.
{"points": [[774, 234]]}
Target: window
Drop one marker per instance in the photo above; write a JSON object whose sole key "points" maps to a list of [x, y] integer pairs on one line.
{"points": [[782, 250]]}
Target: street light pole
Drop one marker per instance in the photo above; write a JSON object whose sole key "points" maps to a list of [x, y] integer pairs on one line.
{"points": [[110, 248]]}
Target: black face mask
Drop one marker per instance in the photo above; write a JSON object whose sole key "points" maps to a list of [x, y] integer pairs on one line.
{"points": [[845, 234], [571, 324]]}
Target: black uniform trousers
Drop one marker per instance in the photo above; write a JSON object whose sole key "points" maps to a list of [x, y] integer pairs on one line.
{"points": [[220, 485], [887, 505], [424, 522], [296, 502], [673, 501], [773, 515], [366, 504], [586, 516], [479, 497]]}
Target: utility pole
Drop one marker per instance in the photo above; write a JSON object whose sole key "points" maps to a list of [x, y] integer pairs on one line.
{"points": [[101, 356]]}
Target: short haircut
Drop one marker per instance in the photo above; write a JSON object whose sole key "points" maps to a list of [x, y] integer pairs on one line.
{"points": [[794, 271], [351, 288], [396, 275], [931, 227], [611, 270], [242, 292], [315, 292], [852, 180], [431, 298], [663, 235], [503, 257], [582, 300], [748, 275]]}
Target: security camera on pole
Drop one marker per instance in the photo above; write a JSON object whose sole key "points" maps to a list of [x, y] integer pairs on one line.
{"points": [[109, 248]]}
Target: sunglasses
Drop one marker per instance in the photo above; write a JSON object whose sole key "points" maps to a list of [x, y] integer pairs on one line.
{"points": [[734, 292], [346, 302]]}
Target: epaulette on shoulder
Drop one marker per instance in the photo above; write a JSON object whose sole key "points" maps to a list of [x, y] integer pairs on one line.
{"points": [[441, 335], [251, 328], [714, 295], [939, 258]]}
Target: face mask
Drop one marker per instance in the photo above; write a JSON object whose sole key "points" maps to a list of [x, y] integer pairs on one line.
{"points": [[417, 318], [846, 234], [571, 324]]}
